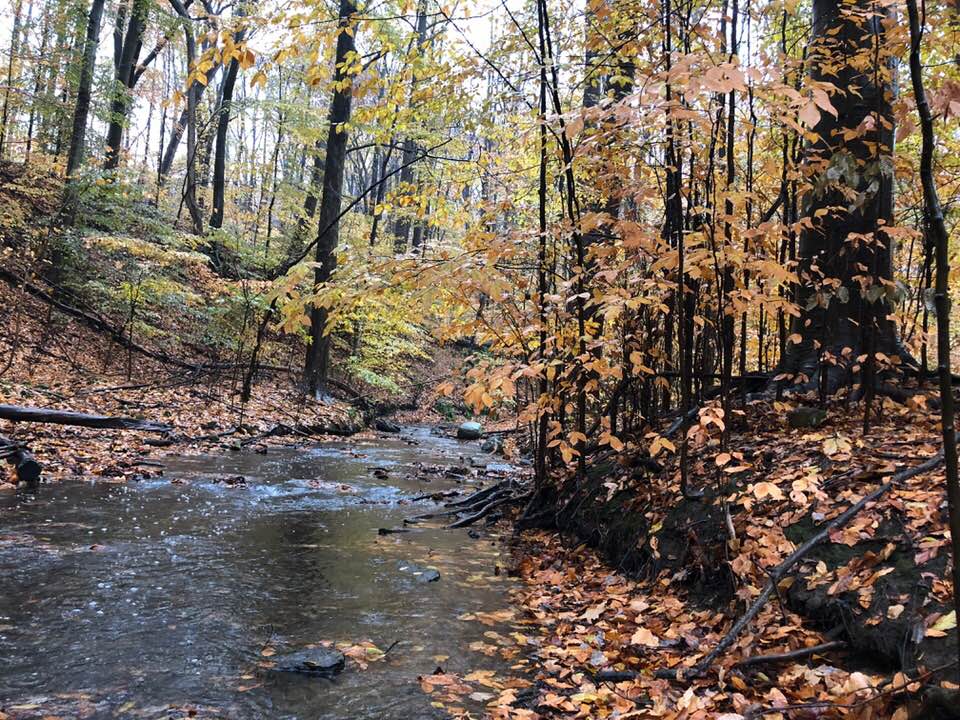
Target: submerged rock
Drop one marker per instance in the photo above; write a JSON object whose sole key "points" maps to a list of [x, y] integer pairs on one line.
{"points": [[470, 431], [422, 574], [312, 661]]}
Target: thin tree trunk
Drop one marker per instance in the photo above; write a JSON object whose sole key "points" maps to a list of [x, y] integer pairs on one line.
{"points": [[11, 64], [82, 108], [124, 80], [223, 124], [938, 229]]}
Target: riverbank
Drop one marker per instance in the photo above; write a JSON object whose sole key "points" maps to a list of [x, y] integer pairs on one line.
{"points": [[631, 585]]}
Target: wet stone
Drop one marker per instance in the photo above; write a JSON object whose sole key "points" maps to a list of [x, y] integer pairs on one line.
{"points": [[312, 661], [420, 573], [470, 431], [384, 425]]}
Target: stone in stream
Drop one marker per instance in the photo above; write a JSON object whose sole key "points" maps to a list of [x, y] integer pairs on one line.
{"points": [[312, 661], [469, 431], [492, 444], [422, 574], [384, 425]]}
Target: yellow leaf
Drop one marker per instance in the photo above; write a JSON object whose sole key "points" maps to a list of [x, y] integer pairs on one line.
{"points": [[644, 637], [941, 626], [767, 489]]}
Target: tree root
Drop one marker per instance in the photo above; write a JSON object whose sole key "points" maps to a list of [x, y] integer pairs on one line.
{"points": [[462, 509], [481, 494], [780, 571], [475, 506], [487, 509]]}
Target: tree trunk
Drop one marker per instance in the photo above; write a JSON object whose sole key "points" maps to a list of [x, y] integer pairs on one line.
{"points": [[937, 228], [845, 255], [176, 134], [82, 109], [401, 228], [318, 354], [11, 64], [124, 79], [223, 124]]}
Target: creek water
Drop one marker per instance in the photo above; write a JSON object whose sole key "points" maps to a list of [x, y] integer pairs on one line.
{"points": [[160, 598]]}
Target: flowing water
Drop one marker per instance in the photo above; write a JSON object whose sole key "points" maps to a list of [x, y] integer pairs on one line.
{"points": [[165, 597]]}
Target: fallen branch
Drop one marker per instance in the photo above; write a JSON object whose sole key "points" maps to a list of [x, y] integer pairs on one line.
{"points": [[17, 454], [792, 655], [780, 571], [18, 413]]}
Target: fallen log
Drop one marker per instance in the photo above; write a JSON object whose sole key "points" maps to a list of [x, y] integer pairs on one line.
{"points": [[780, 571], [17, 454], [18, 413]]}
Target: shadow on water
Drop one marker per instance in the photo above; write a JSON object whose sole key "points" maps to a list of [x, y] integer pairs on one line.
{"points": [[142, 599]]}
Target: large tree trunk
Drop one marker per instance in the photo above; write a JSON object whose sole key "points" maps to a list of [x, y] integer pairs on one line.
{"points": [[845, 266], [82, 109], [318, 354], [124, 79]]}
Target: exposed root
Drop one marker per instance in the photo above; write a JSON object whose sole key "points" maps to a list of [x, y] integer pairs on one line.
{"points": [[476, 506]]}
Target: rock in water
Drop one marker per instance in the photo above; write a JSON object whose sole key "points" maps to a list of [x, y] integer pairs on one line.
{"points": [[492, 444], [422, 574], [806, 417], [469, 431], [384, 425], [312, 661]]}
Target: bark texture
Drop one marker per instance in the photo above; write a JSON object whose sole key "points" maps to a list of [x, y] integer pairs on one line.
{"points": [[844, 260]]}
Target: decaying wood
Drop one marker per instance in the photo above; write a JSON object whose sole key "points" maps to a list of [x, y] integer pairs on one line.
{"points": [[781, 570], [17, 454], [18, 413]]}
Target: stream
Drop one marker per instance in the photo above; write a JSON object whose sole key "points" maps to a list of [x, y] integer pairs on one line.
{"points": [[166, 597]]}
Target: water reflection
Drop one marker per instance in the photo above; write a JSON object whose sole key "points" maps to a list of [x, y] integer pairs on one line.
{"points": [[132, 600]]}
